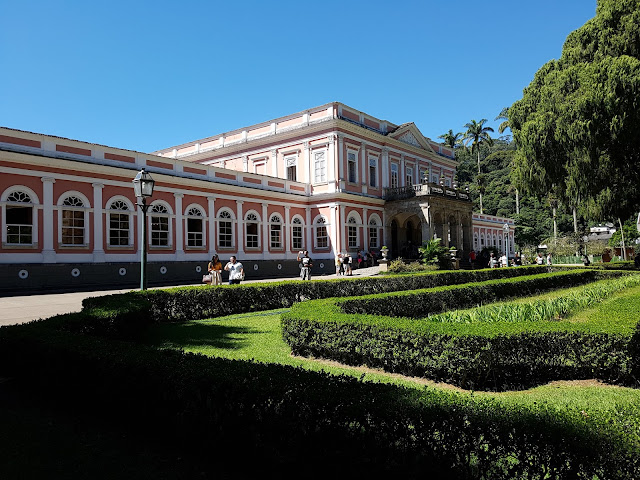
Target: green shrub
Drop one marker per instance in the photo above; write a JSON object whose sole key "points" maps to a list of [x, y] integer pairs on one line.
{"points": [[398, 265], [494, 355]]}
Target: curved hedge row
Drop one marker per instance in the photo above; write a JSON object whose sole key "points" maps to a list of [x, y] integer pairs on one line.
{"points": [[285, 417], [191, 303], [482, 355]]}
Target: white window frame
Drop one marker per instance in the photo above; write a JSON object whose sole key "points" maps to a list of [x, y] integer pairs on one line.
{"points": [[297, 222], [258, 236], [202, 233], [395, 176], [408, 175], [355, 166], [291, 161], [373, 179], [324, 177], [85, 211], [321, 221], [374, 226], [272, 224], [168, 215], [34, 204], [232, 220], [130, 211]]}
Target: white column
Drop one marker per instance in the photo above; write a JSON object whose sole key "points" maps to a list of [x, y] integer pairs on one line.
{"points": [[211, 207], [363, 167], [334, 230], [340, 227], [179, 226], [307, 164], [341, 159], [265, 231], [331, 173], [48, 253], [365, 229], [98, 214], [308, 231], [274, 163], [385, 168], [402, 181], [245, 163], [287, 233], [240, 227]]}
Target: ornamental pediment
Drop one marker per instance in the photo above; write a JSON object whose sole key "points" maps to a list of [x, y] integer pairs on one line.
{"points": [[409, 134], [410, 139]]}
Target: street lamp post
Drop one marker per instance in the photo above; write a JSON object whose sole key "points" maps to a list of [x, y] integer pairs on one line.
{"points": [[143, 187], [506, 241]]}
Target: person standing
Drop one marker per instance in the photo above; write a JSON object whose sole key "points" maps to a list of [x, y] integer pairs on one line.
{"points": [[236, 271], [215, 269], [549, 262], [307, 263]]}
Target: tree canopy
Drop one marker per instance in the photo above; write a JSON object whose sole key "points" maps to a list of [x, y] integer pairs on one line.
{"points": [[577, 127]]}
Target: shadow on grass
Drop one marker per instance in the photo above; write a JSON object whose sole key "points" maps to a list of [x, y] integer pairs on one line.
{"points": [[200, 335]]}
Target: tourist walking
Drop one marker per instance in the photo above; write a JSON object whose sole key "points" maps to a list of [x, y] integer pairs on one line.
{"points": [[215, 270], [305, 269]]}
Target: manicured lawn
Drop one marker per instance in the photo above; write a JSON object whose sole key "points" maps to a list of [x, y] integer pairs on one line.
{"points": [[258, 336]]}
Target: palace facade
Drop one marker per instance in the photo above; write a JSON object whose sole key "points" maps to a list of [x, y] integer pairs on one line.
{"points": [[329, 179]]}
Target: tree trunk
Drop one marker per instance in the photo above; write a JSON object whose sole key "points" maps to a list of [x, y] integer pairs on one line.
{"points": [[517, 203], [555, 225], [478, 152], [624, 250], [575, 220], [480, 203]]}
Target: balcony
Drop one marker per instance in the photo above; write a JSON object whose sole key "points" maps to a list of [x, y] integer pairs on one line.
{"points": [[402, 193]]}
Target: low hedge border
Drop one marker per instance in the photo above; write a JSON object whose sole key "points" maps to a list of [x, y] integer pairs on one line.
{"points": [[281, 415], [420, 303], [493, 356], [193, 303]]}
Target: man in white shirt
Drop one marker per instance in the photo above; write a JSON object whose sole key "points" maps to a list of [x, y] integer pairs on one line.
{"points": [[307, 263], [236, 271]]}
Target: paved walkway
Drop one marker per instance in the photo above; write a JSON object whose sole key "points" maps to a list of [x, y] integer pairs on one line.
{"points": [[14, 310]]}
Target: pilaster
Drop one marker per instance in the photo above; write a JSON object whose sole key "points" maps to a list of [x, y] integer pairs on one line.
{"points": [[240, 227], [98, 214], [48, 253], [211, 208], [179, 226]]}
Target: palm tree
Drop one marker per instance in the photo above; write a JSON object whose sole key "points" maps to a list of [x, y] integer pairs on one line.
{"points": [[477, 134], [504, 115], [451, 139]]}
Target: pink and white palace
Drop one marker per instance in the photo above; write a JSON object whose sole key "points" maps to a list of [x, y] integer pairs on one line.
{"points": [[329, 179]]}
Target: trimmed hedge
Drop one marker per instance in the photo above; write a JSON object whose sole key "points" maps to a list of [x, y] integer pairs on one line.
{"points": [[420, 303], [287, 417], [481, 356], [192, 303]]}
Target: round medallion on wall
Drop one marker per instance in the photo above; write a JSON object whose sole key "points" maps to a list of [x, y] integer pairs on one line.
{"points": [[122, 272], [321, 265], [75, 272], [23, 274], [279, 266], [255, 266], [163, 270], [198, 269]]}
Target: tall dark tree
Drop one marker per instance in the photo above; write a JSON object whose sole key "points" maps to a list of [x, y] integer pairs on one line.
{"points": [[477, 135], [576, 127]]}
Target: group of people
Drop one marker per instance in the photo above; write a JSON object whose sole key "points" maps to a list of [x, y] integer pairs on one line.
{"points": [[235, 269], [345, 262]]}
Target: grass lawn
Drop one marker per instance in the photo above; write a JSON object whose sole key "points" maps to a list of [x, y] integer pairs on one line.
{"points": [[258, 336]]}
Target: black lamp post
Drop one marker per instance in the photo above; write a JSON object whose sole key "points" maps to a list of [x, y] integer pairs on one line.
{"points": [[143, 187]]}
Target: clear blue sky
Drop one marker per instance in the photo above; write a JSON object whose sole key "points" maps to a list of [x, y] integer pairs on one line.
{"points": [[148, 75]]}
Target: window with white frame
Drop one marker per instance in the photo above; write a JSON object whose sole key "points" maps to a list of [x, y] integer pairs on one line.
{"points": [[73, 221], [447, 182], [320, 166], [225, 229], [475, 241], [291, 163], [394, 175], [434, 178], [373, 233], [373, 172], [19, 219], [195, 227], [119, 224], [296, 234], [159, 219], [275, 231], [409, 176], [352, 232], [351, 167], [423, 176], [322, 238], [252, 228]]}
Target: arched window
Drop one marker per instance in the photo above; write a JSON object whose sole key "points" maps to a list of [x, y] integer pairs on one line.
{"points": [[373, 233], [322, 239], [225, 229], [160, 220], [475, 241], [296, 234], [352, 233], [119, 224], [252, 222], [275, 231], [72, 221], [195, 227], [19, 219]]}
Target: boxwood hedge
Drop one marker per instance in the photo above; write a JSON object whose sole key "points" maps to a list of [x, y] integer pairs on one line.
{"points": [[285, 417], [480, 355]]}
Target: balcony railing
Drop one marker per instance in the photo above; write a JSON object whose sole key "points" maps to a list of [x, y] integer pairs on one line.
{"points": [[402, 193]]}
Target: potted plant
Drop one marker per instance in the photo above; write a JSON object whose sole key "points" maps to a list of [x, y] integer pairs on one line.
{"points": [[384, 251]]}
